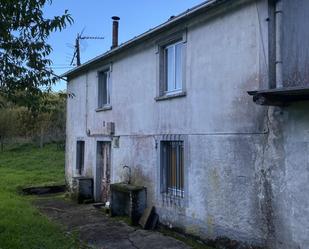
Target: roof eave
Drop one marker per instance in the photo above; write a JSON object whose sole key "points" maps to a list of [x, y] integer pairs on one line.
{"points": [[175, 21], [280, 96]]}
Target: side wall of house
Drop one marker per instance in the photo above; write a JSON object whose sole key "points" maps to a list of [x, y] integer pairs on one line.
{"points": [[75, 125], [223, 130], [284, 177], [296, 165], [286, 167]]}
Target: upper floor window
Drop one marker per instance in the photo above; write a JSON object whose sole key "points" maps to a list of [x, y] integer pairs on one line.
{"points": [[173, 60], [104, 89], [171, 67]]}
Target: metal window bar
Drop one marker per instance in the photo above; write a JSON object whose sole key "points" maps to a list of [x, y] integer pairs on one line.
{"points": [[172, 164]]}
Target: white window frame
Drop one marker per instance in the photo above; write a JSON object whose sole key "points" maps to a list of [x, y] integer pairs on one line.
{"points": [[175, 89], [108, 89], [174, 37]]}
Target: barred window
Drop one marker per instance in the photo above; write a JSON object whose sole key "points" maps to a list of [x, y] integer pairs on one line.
{"points": [[172, 168]]}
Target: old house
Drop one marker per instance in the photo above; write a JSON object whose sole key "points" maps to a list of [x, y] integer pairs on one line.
{"points": [[209, 110]]}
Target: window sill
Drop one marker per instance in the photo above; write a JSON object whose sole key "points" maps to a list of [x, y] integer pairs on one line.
{"points": [[171, 96], [78, 175], [104, 108]]}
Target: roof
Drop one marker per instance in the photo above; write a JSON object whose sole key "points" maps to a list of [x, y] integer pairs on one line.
{"points": [[150, 33]]}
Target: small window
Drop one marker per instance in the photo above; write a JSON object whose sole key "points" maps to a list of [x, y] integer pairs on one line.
{"points": [[103, 89], [172, 168], [80, 156], [173, 68]]}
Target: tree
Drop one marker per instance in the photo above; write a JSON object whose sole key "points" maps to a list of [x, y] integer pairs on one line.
{"points": [[58, 118], [24, 63], [50, 119], [8, 124], [47, 121]]}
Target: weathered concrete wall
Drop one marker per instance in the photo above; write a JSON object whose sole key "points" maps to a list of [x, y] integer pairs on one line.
{"points": [[223, 180], [286, 169], [285, 165], [75, 125], [236, 159], [296, 132]]}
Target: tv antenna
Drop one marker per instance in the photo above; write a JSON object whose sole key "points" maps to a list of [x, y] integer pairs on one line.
{"points": [[77, 45]]}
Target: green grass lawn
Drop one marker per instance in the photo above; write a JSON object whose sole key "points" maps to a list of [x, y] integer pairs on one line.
{"points": [[21, 225]]}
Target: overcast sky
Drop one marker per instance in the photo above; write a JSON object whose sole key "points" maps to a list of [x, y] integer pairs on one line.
{"points": [[94, 16]]}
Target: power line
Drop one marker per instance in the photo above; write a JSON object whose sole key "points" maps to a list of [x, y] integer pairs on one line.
{"points": [[91, 38], [61, 67]]}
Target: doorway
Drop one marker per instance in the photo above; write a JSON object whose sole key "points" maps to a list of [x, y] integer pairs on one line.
{"points": [[103, 171]]}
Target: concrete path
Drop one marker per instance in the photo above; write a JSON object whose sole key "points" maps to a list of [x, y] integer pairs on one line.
{"points": [[100, 231]]}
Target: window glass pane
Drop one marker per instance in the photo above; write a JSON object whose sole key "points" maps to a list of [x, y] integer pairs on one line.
{"points": [[172, 168], [178, 66], [80, 153], [170, 69], [100, 90], [181, 166], [103, 89], [107, 87]]}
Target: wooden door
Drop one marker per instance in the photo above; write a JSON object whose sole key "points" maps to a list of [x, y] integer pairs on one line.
{"points": [[103, 171]]}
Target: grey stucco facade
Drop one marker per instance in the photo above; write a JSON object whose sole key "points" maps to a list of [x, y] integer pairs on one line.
{"points": [[246, 166]]}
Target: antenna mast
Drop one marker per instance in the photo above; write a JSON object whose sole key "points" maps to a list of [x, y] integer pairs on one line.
{"points": [[77, 46]]}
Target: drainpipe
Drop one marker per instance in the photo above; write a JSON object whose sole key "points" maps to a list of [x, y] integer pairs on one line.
{"points": [[279, 34]]}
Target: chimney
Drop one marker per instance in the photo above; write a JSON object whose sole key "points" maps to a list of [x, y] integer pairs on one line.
{"points": [[115, 31]]}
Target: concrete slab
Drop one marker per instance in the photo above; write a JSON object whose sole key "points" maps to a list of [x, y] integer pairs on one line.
{"points": [[100, 231], [144, 220]]}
